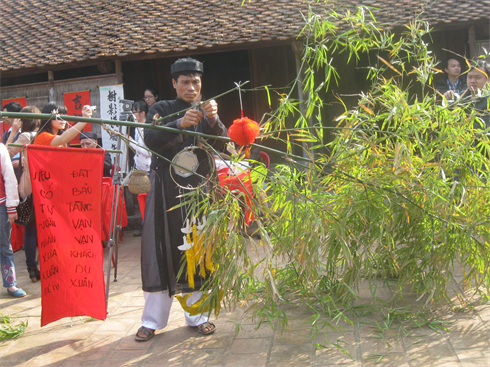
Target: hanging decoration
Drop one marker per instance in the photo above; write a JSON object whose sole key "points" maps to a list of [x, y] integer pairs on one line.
{"points": [[194, 250], [190, 166], [243, 131], [138, 182]]}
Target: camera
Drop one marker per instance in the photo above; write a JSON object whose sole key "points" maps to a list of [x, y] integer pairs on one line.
{"points": [[127, 106]]}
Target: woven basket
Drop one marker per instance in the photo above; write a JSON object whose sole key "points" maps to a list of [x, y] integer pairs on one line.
{"points": [[139, 183]]}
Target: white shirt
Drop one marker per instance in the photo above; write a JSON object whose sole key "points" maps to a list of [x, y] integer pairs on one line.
{"points": [[142, 159]]}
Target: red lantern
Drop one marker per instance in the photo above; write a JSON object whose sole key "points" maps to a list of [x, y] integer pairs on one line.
{"points": [[244, 131]]}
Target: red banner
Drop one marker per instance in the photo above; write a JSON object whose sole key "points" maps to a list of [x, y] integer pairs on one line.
{"points": [[74, 102], [67, 202], [22, 101]]}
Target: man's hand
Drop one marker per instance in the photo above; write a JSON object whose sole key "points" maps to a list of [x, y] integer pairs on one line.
{"points": [[15, 163], [12, 217], [191, 118], [449, 95], [87, 111], [210, 108]]}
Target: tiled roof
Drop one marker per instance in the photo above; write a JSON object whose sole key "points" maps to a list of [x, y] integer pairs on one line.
{"points": [[39, 33]]}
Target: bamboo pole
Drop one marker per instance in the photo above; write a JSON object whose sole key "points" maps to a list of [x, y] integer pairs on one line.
{"points": [[107, 150], [46, 116]]}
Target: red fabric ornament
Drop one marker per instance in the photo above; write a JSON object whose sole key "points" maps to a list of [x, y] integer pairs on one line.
{"points": [[243, 131]]}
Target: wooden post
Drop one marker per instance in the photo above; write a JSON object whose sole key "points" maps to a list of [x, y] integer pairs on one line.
{"points": [[472, 41], [297, 49], [119, 73], [51, 97]]}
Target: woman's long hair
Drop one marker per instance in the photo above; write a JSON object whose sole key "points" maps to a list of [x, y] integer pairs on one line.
{"points": [[30, 125], [46, 124]]}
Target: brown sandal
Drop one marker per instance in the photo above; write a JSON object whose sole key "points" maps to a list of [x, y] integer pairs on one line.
{"points": [[148, 332], [206, 325]]}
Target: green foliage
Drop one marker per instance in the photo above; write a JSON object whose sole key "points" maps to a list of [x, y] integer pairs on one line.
{"points": [[401, 194], [9, 329]]}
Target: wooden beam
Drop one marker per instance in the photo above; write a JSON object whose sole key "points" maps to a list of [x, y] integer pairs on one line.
{"points": [[119, 73], [472, 41], [51, 96]]}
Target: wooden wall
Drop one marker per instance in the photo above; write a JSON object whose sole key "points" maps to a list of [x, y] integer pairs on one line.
{"points": [[38, 93], [221, 71]]}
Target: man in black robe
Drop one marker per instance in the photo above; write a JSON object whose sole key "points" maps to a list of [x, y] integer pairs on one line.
{"points": [[161, 259]]}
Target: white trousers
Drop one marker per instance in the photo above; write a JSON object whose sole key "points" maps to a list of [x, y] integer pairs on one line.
{"points": [[157, 310]]}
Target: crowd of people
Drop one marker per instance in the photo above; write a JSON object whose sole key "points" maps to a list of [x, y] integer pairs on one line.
{"points": [[15, 178], [26, 131]]}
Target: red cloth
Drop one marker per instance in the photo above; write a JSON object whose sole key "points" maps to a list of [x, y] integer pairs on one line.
{"points": [[142, 202], [107, 195], [243, 183], [67, 203], [17, 237]]}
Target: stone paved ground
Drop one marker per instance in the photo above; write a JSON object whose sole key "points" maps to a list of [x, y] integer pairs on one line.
{"points": [[111, 342]]}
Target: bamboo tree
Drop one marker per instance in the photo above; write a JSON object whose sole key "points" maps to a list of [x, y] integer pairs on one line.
{"points": [[400, 196]]}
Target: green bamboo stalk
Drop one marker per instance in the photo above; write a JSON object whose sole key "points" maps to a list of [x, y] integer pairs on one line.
{"points": [[46, 116], [21, 145]]}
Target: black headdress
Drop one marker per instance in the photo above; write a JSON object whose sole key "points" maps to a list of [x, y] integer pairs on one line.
{"points": [[187, 64]]}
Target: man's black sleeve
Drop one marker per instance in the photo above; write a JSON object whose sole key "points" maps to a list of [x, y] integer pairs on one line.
{"points": [[157, 140]]}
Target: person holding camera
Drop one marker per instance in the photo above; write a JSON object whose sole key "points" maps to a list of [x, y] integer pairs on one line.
{"points": [[29, 129], [12, 122], [52, 132]]}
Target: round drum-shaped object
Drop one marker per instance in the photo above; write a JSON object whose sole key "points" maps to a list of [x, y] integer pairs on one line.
{"points": [[190, 167]]}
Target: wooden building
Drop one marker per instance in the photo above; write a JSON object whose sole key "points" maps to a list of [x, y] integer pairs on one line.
{"points": [[52, 47]]}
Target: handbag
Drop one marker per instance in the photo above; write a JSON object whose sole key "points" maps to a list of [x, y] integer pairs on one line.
{"points": [[25, 212]]}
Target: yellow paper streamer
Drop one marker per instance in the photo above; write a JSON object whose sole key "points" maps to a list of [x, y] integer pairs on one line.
{"points": [[191, 263], [196, 254], [195, 309]]}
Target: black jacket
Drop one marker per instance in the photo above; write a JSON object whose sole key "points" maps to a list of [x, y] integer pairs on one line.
{"points": [[442, 87], [483, 106], [160, 257]]}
